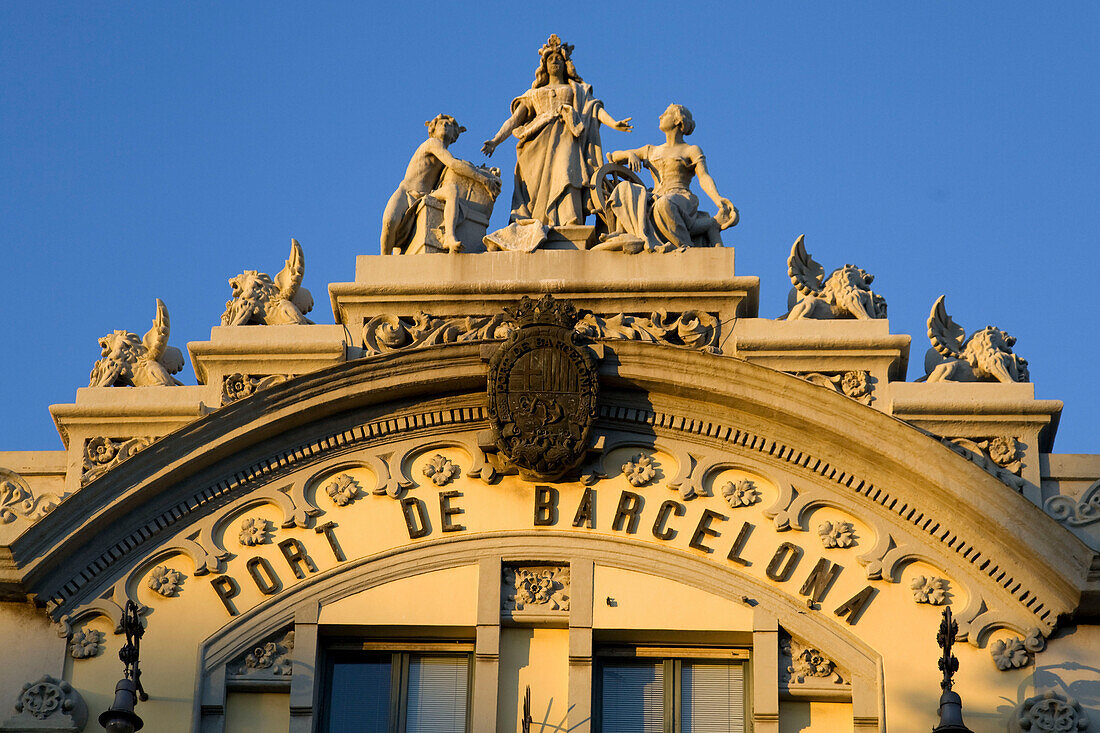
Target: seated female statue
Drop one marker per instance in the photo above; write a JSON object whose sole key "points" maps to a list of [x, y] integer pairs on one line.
{"points": [[670, 208]]}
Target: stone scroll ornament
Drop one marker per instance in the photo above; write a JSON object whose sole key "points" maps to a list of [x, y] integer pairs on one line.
{"points": [[260, 300], [984, 356], [846, 293], [129, 361], [542, 390], [48, 704], [1049, 713]]}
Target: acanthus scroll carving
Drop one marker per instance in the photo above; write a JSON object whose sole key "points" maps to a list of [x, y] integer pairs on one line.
{"points": [[691, 329], [1076, 512], [857, 384], [983, 458], [102, 454], [17, 499]]}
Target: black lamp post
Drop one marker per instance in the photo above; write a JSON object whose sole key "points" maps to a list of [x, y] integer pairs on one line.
{"points": [[951, 720], [121, 718]]}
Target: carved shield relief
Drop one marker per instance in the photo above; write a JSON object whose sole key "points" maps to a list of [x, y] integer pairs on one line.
{"points": [[542, 391]]}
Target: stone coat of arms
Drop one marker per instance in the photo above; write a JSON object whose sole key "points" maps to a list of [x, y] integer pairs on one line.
{"points": [[542, 390]]}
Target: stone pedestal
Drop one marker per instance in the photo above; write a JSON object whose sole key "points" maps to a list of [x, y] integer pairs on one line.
{"points": [[264, 351], [606, 283]]}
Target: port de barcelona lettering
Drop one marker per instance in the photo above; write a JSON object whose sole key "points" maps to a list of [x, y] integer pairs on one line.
{"points": [[712, 533]]}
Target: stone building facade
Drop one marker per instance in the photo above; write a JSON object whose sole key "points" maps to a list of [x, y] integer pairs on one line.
{"points": [[632, 505]]}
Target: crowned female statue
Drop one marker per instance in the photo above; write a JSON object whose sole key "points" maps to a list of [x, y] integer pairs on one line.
{"points": [[557, 122]]}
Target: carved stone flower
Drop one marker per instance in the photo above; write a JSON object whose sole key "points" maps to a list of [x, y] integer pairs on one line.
{"points": [[639, 470], [84, 644], [856, 383], [929, 590], [440, 469], [165, 581], [1004, 450], [1009, 654], [533, 587], [269, 656], [101, 450], [1051, 712], [343, 489], [253, 531], [741, 493], [237, 386], [811, 663], [837, 534]]}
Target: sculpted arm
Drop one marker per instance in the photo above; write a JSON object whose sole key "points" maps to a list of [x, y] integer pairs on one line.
{"points": [[623, 124], [517, 118], [631, 158], [706, 182], [462, 167]]}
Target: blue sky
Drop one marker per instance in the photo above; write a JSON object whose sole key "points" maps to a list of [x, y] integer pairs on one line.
{"points": [[157, 149]]}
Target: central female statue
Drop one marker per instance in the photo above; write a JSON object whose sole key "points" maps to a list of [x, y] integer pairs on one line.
{"points": [[557, 122]]}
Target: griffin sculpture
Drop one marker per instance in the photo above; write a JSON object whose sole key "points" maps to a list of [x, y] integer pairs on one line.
{"points": [[844, 294], [984, 356], [258, 300], [129, 361]]}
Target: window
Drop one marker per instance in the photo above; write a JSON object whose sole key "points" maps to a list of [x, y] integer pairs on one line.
{"points": [[674, 694], [397, 692]]}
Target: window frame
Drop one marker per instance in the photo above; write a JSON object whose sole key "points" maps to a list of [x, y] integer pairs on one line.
{"points": [[400, 655], [672, 659]]}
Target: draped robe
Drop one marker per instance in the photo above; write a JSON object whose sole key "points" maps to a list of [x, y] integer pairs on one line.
{"points": [[557, 153]]}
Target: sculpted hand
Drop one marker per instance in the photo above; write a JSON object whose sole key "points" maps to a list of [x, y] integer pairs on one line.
{"points": [[488, 147], [624, 125], [633, 162]]}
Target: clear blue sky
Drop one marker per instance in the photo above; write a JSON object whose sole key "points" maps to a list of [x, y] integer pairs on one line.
{"points": [[157, 149]]}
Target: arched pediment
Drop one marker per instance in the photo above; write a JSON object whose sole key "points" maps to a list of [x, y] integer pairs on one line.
{"points": [[704, 413]]}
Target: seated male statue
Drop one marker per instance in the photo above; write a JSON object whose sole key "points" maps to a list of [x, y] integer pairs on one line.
{"points": [[431, 165]]}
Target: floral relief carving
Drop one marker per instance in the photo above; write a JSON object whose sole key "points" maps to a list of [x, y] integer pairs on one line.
{"points": [[165, 581], [271, 658], [639, 470], [837, 534], [743, 492], [85, 644], [237, 386], [253, 531], [48, 704], [857, 384], [1015, 653], [805, 664], [689, 329], [538, 588], [17, 500], [343, 489], [1003, 450], [1050, 713], [929, 590], [102, 454], [441, 470], [1076, 512]]}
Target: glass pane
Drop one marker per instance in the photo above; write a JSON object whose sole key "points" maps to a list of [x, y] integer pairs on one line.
{"points": [[712, 698], [359, 701], [632, 698], [437, 695]]}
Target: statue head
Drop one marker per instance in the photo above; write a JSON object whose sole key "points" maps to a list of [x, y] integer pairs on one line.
{"points": [[445, 128], [554, 55], [677, 115]]}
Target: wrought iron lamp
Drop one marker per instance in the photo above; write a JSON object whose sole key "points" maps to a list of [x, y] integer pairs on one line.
{"points": [[951, 720], [121, 718]]}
